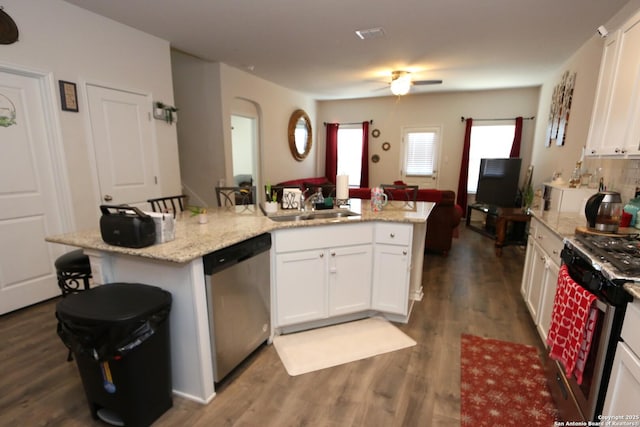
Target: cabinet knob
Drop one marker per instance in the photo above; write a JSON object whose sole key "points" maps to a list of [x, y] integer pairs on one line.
{"points": [[593, 151], [333, 254], [321, 255], [404, 252], [392, 235], [617, 150]]}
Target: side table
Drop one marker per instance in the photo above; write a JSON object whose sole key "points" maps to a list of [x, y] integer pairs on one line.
{"points": [[504, 217]]}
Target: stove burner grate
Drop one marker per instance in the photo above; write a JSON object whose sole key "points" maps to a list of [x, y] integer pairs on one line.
{"points": [[622, 252]]}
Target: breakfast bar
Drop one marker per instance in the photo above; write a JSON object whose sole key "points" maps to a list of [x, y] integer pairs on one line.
{"points": [[177, 266]]}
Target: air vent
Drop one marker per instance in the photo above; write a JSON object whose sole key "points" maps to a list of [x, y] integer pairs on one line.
{"points": [[370, 33]]}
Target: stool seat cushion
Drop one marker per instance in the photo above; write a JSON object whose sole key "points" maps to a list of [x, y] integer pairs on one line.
{"points": [[75, 261]]}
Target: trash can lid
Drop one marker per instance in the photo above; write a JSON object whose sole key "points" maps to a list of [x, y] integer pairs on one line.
{"points": [[114, 302]]}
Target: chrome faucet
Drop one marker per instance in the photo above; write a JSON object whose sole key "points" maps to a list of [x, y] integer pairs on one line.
{"points": [[302, 205]]}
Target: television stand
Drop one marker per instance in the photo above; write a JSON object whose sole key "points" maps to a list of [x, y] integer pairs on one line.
{"points": [[507, 226]]}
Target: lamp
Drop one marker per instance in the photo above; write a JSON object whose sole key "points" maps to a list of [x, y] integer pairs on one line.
{"points": [[400, 82]]}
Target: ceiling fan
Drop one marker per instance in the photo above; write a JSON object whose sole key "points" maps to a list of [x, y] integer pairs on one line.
{"points": [[401, 82]]}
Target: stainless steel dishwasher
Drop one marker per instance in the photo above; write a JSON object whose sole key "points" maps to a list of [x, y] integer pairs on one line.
{"points": [[237, 285]]}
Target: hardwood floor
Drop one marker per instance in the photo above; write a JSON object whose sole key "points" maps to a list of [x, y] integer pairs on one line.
{"points": [[470, 291]]}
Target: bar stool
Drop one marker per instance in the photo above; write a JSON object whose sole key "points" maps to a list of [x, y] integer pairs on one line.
{"points": [[73, 271]]}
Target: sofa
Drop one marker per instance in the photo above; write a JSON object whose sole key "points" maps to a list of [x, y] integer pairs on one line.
{"points": [[442, 224]]}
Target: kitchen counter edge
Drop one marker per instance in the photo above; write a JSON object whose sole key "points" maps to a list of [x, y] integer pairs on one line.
{"points": [[226, 227]]}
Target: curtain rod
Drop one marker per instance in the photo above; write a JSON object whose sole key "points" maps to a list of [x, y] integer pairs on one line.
{"points": [[351, 123], [463, 118]]}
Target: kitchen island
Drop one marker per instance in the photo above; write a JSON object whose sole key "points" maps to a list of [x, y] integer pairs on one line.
{"points": [[177, 267]]}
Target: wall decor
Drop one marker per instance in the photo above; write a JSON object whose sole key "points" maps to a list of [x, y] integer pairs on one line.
{"points": [[560, 109], [68, 96], [7, 112], [8, 28], [386, 146], [300, 135], [161, 111], [375, 133]]}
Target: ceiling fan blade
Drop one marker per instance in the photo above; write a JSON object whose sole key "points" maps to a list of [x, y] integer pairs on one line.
{"points": [[427, 82]]}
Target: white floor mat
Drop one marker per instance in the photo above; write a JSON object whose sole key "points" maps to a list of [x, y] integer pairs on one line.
{"points": [[308, 351]]}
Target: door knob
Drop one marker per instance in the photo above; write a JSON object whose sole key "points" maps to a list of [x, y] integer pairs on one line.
{"points": [[107, 198]]}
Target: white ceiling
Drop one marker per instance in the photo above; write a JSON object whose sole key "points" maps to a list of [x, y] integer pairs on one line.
{"points": [[311, 46]]}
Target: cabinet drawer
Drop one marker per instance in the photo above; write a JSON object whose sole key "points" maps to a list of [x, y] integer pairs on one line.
{"points": [[550, 242], [323, 236], [393, 233], [631, 326]]}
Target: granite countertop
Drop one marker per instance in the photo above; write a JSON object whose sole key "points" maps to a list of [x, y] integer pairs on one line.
{"points": [[564, 224], [227, 226]]}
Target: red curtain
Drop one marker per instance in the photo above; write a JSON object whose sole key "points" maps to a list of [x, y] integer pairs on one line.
{"points": [[517, 139], [464, 169], [331, 159], [364, 171]]}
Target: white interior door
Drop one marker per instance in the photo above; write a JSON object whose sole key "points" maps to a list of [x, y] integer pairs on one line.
{"points": [[29, 209], [124, 145]]}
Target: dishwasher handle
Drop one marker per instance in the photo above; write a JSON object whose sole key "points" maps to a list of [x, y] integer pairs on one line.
{"points": [[234, 254]]}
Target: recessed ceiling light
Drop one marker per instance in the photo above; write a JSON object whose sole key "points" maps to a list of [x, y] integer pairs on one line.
{"points": [[370, 33]]}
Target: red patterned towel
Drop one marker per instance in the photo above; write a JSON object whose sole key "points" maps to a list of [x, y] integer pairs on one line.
{"points": [[572, 322]]}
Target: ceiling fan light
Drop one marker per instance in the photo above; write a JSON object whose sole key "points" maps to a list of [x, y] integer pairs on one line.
{"points": [[401, 85]]}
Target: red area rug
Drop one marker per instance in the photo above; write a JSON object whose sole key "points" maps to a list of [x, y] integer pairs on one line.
{"points": [[503, 384]]}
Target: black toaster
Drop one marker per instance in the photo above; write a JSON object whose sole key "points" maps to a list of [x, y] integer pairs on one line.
{"points": [[126, 226]]}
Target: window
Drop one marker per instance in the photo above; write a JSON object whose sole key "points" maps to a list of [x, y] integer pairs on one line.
{"points": [[421, 152], [350, 153], [487, 142]]}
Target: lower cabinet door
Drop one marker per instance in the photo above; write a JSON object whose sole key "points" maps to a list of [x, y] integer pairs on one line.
{"points": [[549, 286], [624, 386], [349, 279], [390, 279], [301, 286]]}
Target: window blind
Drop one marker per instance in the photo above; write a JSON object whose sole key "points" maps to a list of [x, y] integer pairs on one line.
{"points": [[420, 153]]}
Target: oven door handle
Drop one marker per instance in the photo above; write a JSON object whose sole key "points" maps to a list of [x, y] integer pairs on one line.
{"points": [[563, 389], [601, 306]]}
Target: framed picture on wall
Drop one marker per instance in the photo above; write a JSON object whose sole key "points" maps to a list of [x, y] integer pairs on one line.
{"points": [[68, 96]]}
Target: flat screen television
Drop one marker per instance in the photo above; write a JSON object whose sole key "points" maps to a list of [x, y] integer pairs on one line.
{"points": [[498, 182]]}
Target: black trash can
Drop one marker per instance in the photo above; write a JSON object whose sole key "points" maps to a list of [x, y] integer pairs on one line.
{"points": [[119, 335]]}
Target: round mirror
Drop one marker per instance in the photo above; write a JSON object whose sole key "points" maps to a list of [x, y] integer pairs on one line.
{"points": [[299, 135]]}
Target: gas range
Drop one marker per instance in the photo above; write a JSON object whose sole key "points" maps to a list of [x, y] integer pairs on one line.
{"points": [[617, 257]]}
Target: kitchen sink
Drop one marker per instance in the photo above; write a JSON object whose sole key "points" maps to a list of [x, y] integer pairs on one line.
{"points": [[309, 216]]}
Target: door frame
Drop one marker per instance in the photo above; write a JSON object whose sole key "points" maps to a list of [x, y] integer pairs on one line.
{"points": [[54, 140], [91, 148]]}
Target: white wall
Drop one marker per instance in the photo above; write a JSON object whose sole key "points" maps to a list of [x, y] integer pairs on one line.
{"points": [[390, 114], [206, 94], [78, 46], [547, 160]]}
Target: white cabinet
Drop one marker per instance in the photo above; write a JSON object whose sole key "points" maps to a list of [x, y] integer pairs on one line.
{"points": [[536, 278], [565, 199], [391, 266], [614, 126], [540, 274], [301, 294], [349, 279], [597, 144], [324, 272], [321, 272], [545, 308], [623, 393]]}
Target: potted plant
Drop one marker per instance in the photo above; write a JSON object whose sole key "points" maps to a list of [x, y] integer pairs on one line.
{"points": [[201, 212], [271, 202]]}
